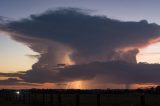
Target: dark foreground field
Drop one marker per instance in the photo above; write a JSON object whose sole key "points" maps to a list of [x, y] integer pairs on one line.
{"points": [[150, 97]]}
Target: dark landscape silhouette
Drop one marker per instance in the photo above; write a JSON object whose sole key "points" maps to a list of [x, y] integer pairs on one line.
{"points": [[77, 97]]}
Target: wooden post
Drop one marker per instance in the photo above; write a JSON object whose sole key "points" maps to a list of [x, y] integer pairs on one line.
{"points": [[59, 100], [98, 99], [51, 99], [77, 99], [143, 100], [23, 95], [43, 99], [29, 98]]}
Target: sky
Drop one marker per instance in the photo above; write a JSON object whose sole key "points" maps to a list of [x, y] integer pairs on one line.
{"points": [[30, 45]]}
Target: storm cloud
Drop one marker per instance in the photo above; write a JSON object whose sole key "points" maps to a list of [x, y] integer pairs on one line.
{"points": [[114, 72], [118, 72], [92, 38], [73, 36], [15, 81]]}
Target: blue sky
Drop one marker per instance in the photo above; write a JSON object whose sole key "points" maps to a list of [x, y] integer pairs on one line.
{"points": [[119, 9]]}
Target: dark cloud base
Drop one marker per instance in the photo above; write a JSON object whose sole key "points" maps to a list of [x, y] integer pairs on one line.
{"points": [[107, 72]]}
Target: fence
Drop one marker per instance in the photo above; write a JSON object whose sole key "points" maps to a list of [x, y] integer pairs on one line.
{"points": [[49, 98]]}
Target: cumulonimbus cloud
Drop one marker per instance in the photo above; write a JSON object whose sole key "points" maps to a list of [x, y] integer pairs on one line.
{"points": [[119, 72], [72, 36], [85, 34]]}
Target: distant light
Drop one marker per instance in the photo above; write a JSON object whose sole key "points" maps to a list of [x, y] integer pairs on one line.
{"points": [[17, 92]]}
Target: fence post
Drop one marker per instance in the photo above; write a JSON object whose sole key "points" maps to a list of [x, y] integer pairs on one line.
{"points": [[24, 97], [51, 99], [43, 97], [59, 100], [98, 100], [29, 98], [143, 100], [77, 99]]}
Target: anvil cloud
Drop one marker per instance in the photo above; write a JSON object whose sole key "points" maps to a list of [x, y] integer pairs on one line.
{"points": [[73, 36]]}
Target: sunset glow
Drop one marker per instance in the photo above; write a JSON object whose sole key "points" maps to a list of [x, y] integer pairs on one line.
{"points": [[75, 85], [150, 54], [16, 60]]}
